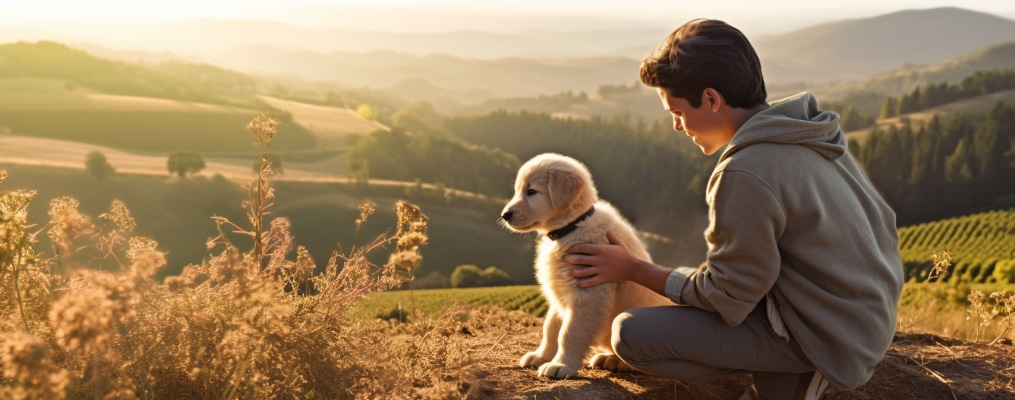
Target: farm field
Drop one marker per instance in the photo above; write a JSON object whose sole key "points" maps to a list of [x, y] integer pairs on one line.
{"points": [[329, 125], [434, 302], [50, 108], [36, 151]]}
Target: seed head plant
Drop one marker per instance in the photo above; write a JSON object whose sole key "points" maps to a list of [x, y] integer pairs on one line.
{"points": [[263, 322]]}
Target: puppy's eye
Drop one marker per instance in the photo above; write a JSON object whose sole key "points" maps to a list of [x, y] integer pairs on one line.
{"points": [[530, 192]]}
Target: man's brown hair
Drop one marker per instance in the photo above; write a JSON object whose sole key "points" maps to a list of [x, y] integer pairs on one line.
{"points": [[706, 53]]}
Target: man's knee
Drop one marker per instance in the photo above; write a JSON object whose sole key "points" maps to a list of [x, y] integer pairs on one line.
{"points": [[627, 327]]}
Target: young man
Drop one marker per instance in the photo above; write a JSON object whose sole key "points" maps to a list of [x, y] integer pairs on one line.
{"points": [[802, 274]]}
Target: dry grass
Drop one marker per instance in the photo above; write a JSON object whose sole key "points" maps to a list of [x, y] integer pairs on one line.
{"points": [[259, 320], [87, 320]]}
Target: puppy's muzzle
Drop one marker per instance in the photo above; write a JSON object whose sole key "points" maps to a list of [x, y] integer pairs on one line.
{"points": [[507, 216]]}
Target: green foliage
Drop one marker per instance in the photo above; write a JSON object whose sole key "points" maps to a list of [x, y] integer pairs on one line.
{"points": [[431, 302], [182, 163], [98, 166], [469, 275], [466, 276], [850, 118], [366, 112], [406, 156], [1004, 271], [951, 165], [610, 90], [493, 276], [203, 83], [156, 130], [982, 246], [932, 95], [655, 179]]}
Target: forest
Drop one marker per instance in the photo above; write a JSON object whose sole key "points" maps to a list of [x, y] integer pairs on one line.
{"points": [[957, 163]]}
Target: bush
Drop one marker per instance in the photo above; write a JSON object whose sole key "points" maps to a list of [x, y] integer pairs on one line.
{"points": [[466, 276], [182, 163], [471, 276], [258, 323], [493, 276], [98, 166], [1004, 271]]}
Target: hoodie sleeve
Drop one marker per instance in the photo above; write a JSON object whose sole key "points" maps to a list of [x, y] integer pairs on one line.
{"points": [[743, 258]]}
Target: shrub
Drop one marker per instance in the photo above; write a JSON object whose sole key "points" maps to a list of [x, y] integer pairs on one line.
{"points": [[1004, 271], [466, 276], [98, 166], [493, 276], [182, 163], [262, 322], [471, 276]]}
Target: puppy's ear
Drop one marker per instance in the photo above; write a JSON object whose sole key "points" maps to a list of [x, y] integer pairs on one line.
{"points": [[564, 187]]}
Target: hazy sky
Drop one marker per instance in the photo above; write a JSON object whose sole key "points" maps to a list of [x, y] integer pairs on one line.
{"points": [[752, 16]]}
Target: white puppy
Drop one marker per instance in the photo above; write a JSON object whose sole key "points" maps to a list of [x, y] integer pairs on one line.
{"points": [[555, 196]]}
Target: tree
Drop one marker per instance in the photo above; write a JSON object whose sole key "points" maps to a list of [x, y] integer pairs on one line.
{"points": [[367, 112], [98, 166], [466, 276], [182, 163], [273, 159], [471, 276], [493, 276]]}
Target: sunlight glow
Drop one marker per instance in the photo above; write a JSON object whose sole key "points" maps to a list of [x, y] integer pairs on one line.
{"points": [[450, 15]]}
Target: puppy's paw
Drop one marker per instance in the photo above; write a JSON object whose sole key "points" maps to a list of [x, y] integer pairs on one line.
{"points": [[609, 362], [557, 371], [532, 359]]}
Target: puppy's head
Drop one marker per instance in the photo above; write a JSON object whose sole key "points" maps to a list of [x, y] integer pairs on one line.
{"points": [[551, 190]]}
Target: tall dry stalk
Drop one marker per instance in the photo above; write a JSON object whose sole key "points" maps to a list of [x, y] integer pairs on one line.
{"points": [[263, 322]]}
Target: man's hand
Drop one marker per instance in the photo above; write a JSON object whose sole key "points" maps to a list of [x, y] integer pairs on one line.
{"points": [[593, 264]]}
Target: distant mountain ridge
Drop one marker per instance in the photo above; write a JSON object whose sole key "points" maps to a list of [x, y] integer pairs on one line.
{"points": [[891, 54], [857, 48]]}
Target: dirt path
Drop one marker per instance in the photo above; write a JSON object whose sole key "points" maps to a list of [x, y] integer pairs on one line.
{"points": [[917, 366]]}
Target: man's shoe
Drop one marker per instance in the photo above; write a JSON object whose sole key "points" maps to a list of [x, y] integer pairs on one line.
{"points": [[812, 386]]}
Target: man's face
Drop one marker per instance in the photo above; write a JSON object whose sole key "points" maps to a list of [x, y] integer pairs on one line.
{"points": [[703, 124]]}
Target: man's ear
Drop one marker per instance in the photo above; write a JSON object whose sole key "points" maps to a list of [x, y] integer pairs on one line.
{"points": [[712, 99]]}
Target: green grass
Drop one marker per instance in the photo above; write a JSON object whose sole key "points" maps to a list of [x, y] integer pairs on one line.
{"points": [[177, 213], [152, 131], [50, 108], [433, 302], [979, 243]]}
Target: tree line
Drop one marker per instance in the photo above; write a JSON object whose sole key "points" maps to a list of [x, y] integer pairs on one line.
{"points": [[933, 95], [954, 164]]}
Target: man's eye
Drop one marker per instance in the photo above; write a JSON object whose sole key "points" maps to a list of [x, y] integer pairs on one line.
{"points": [[530, 192]]}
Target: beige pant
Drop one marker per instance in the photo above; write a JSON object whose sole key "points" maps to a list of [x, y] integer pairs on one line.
{"points": [[691, 344]]}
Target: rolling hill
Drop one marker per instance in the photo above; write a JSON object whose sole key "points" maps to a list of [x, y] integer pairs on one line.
{"points": [[857, 48], [444, 69]]}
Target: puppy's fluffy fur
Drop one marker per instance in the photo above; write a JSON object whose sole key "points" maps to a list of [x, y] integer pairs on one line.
{"points": [[551, 191]]}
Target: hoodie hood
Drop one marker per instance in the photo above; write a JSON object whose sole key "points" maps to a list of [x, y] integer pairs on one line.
{"points": [[793, 120]]}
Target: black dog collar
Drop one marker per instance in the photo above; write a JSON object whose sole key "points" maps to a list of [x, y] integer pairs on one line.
{"points": [[559, 233]]}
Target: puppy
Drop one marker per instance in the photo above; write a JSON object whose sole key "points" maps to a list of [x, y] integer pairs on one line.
{"points": [[555, 196]]}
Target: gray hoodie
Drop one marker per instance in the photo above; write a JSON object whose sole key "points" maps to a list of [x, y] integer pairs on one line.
{"points": [[794, 219]]}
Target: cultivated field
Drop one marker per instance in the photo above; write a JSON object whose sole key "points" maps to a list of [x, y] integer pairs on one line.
{"points": [[329, 125]]}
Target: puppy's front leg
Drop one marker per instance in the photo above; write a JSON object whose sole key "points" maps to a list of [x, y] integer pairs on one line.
{"points": [[548, 346], [576, 337]]}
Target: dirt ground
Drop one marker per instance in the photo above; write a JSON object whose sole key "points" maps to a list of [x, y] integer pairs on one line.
{"points": [[917, 366]]}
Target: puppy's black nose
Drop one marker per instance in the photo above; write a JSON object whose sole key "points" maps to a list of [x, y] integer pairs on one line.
{"points": [[506, 216]]}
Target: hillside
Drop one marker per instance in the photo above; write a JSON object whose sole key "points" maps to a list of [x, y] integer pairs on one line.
{"points": [[857, 48], [172, 80], [177, 214]]}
